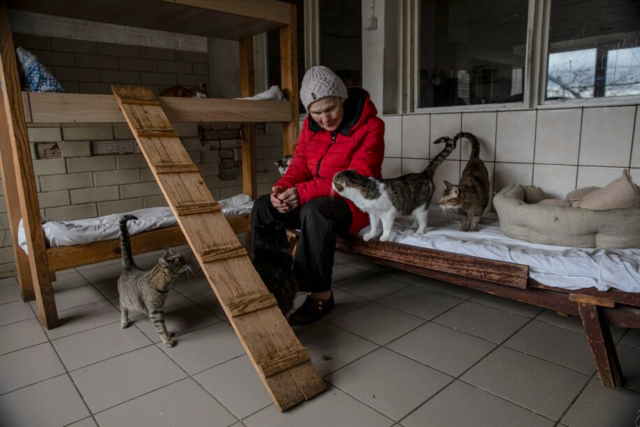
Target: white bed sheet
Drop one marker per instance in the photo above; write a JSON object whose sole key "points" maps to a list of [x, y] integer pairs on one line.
{"points": [[558, 266], [83, 231]]}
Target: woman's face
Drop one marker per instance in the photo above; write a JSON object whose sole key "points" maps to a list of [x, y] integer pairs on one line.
{"points": [[327, 112]]}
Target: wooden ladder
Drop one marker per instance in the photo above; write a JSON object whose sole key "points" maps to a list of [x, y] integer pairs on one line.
{"points": [[283, 364]]}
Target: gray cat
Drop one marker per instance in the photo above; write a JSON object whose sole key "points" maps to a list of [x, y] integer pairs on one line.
{"points": [[471, 196], [283, 164], [146, 291], [385, 199]]}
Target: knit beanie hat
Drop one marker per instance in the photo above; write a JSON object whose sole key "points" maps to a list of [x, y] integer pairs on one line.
{"points": [[320, 82]]}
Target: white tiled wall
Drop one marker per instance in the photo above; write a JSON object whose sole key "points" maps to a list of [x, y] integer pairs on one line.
{"points": [[558, 150]]}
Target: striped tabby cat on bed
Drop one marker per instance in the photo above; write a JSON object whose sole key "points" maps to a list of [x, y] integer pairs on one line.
{"points": [[471, 196], [146, 291], [385, 199]]}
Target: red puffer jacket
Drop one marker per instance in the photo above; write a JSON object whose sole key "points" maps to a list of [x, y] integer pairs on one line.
{"points": [[359, 145]]}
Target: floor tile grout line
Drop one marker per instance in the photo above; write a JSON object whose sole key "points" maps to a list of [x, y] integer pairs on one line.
{"points": [[20, 321], [357, 399], [67, 371], [35, 383], [459, 378], [200, 385]]}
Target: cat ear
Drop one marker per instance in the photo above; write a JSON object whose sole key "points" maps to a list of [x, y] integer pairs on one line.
{"points": [[163, 262], [454, 190], [447, 183]]}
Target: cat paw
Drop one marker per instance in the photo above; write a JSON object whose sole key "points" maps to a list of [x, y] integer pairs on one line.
{"points": [[125, 325], [169, 344], [384, 238], [368, 237], [419, 233]]}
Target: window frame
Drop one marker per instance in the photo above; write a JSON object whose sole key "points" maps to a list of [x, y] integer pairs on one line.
{"points": [[536, 61]]}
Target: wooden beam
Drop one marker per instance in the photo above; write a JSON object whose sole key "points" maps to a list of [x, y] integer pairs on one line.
{"points": [[12, 201], [25, 178], [86, 108], [247, 88], [264, 333], [64, 257], [601, 344], [504, 273], [221, 19], [264, 10], [289, 73]]}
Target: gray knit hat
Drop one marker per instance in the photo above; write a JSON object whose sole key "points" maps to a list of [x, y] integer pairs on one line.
{"points": [[320, 82]]}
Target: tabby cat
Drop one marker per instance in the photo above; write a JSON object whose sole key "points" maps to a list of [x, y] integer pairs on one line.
{"points": [[274, 263], [385, 199], [471, 196], [146, 291]]}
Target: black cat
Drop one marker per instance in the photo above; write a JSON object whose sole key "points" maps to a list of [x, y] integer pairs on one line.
{"points": [[274, 263]]}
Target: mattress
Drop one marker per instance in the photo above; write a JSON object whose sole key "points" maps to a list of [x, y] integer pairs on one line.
{"points": [[83, 231], [557, 266]]}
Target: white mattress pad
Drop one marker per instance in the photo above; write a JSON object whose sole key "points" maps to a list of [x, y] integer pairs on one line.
{"points": [[558, 266], [83, 231]]}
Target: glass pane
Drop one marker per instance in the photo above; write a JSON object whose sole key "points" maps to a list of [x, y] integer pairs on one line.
{"points": [[273, 49], [472, 52], [341, 39], [594, 49]]}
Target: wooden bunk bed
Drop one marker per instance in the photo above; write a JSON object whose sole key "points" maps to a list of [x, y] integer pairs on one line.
{"points": [[281, 362]]}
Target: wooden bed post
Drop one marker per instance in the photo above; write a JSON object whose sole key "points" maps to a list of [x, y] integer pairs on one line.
{"points": [[289, 74], [12, 199], [25, 178], [600, 340], [247, 88]]}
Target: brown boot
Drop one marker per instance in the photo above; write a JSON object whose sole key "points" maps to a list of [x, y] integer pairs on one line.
{"points": [[312, 310]]}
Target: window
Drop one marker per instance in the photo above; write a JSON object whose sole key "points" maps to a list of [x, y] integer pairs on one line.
{"points": [[341, 39], [471, 52], [594, 49]]}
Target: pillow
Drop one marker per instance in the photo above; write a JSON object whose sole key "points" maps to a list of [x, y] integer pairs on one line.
{"points": [[620, 194], [34, 76], [555, 202], [580, 193]]}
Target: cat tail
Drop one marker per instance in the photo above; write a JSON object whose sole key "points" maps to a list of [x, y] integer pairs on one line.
{"points": [[475, 145], [125, 242], [448, 149]]}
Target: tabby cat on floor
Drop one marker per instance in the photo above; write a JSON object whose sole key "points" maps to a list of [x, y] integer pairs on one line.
{"points": [[146, 290], [471, 196], [385, 199]]}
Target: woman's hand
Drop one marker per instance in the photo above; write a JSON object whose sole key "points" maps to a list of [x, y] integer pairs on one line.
{"points": [[275, 201], [289, 198]]}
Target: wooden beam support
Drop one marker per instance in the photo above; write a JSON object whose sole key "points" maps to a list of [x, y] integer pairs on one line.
{"points": [[25, 178], [504, 273], [12, 201], [289, 73], [247, 88], [87, 108], [601, 344], [65, 257], [264, 333], [266, 10]]}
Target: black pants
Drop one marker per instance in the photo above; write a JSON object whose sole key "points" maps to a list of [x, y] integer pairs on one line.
{"points": [[319, 221]]}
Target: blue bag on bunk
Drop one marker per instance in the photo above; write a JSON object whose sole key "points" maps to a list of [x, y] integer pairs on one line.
{"points": [[34, 75]]}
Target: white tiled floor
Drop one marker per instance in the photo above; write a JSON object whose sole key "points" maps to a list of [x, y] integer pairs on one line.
{"points": [[399, 350]]}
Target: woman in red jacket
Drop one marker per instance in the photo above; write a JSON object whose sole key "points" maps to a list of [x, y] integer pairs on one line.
{"points": [[340, 132]]}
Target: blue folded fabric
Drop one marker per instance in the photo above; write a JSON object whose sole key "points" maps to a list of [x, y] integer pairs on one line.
{"points": [[34, 75]]}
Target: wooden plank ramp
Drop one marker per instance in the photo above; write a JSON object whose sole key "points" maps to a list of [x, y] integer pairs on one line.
{"points": [[281, 362]]}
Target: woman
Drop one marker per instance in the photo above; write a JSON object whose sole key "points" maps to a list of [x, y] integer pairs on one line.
{"points": [[340, 132]]}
